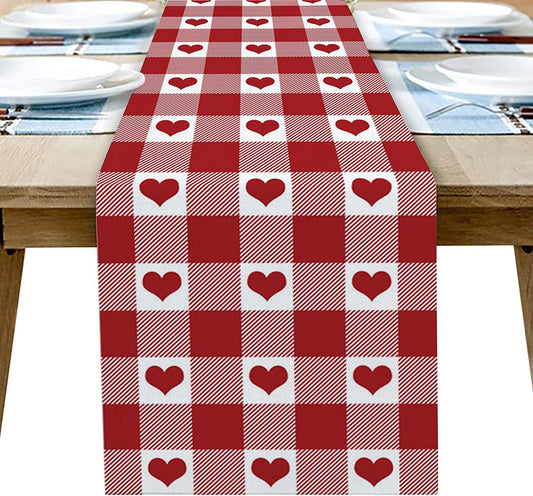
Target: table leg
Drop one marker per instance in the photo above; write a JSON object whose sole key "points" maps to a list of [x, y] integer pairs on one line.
{"points": [[11, 262], [524, 266]]}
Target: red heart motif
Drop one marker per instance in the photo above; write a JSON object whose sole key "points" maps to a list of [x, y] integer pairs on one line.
{"points": [[260, 83], [257, 22], [188, 49], [332, 47], [311, 1], [159, 192], [164, 380], [265, 191], [256, 1], [318, 22], [371, 191], [172, 128], [270, 472], [371, 286], [162, 286], [258, 48], [355, 127], [372, 380], [339, 83], [167, 472], [201, 1], [262, 128], [196, 22], [182, 83], [373, 472], [268, 380], [266, 286]]}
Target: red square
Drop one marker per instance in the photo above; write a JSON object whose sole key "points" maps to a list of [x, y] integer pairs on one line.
{"points": [[319, 333], [226, 35], [120, 230], [349, 34], [165, 35], [121, 427], [215, 333], [219, 104], [217, 427], [141, 104], [285, 11], [418, 333], [296, 65], [173, 11], [319, 239], [213, 239], [118, 334], [222, 65], [405, 156], [227, 11], [321, 426], [418, 239], [362, 65], [339, 10], [123, 157], [418, 427], [380, 103], [303, 104], [155, 65], [313, 157], [293, 34], [214, 157]]}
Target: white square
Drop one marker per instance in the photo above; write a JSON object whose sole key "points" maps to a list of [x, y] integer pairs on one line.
{"points": [[162, 286], [260, 83], [372, 380], [265, 193], [268, 380], [156, 376], [359, 485], [257, 22], [259, 49], [353, 128], [327, 49], [182, 84], [271, 283], [366, 193], [196, 22], [270, 471], [369, 291], [262, 128], [159, 193], [338, 83], [161, 467], [171, 128], [190, 49]]}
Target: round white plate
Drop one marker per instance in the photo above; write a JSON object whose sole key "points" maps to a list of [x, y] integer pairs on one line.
{"points": [[86, 13], [451, 13], [123, 81], [384, 16], [428, 77], [35, 75], [19, 19], [490, 71]]}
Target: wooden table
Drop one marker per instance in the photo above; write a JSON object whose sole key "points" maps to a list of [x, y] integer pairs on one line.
{"points": [[47, 199]]}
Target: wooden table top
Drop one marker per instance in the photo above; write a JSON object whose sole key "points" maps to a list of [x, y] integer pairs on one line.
{"points": [[471, 171]]}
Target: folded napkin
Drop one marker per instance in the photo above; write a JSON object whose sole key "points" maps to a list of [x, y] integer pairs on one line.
{"points": [[377, 38], [414, 102]]}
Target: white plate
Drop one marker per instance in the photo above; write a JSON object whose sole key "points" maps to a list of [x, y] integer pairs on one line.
{"points": [[384, 16], [451, 13], [124, 80], [87, 13], [490, 71], [19, 19], [51, 74], [431, 79]]}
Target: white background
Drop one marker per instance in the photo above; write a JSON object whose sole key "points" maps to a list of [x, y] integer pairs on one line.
{"points": [[51, 443]]}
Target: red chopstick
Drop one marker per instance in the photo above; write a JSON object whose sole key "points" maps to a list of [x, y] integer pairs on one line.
{"points": [[494, 38]]}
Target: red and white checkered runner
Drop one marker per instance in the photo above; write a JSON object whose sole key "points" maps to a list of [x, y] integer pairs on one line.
{"points": [[266, 240]]}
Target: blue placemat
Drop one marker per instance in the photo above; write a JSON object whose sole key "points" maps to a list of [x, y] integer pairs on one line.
{"points": [[414, 102], [378, 36]]}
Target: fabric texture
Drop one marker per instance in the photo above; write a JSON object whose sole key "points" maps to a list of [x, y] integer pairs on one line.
{"points": [[266, 241]]}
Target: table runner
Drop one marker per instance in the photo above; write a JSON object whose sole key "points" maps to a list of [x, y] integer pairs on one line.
{"points": [[266, 241]]}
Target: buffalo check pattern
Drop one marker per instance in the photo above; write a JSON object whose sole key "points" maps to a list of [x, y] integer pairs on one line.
{"points": [[267, 241]]}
